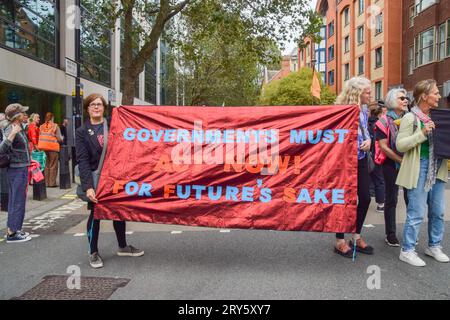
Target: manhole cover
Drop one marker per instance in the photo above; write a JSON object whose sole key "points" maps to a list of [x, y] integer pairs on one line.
{"points": [[92, 288]]}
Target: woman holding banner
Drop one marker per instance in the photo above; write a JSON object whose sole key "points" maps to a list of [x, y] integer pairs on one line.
{"points": [[423, 175], [90, 151], [358, 91]]}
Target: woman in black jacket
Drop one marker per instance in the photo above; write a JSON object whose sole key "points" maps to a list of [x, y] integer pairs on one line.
{"points": [[89, 147]]}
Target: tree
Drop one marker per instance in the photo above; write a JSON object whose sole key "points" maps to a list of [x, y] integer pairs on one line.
{"points": [[279, 20], [294, 90], [220, 65]]}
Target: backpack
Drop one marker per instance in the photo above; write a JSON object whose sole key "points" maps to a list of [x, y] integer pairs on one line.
{"points": [[4, 157], [383, 126]]}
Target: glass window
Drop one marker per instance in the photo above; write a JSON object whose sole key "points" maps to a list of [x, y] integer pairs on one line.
{"points": [[379, 24], [347, 44], [422, 5], [361, 7], [361, 65], [379, 57], [150, 80], [30, 27], [378, 90], [331, 29], [441, 41], [331, 53], [360, 35], [412, 15], [95, 45], [331, 77], [448, 38], [347, 72], [425, 47], [346, 16]]}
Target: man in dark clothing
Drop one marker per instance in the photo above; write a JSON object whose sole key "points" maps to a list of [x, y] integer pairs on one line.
{"points": [[64, 128]]}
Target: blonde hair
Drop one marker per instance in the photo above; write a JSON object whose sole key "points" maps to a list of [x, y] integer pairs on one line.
{"points": [[353, 90], [32, 117], [423, 87]]}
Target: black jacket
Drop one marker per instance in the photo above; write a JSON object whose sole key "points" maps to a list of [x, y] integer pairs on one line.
{"points": [[89, 152]]}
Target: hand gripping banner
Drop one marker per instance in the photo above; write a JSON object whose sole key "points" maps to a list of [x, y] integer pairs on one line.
{"points": [[275, 168]]}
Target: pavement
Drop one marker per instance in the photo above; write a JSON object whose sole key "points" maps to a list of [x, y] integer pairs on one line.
{"points": [[202, 264]]}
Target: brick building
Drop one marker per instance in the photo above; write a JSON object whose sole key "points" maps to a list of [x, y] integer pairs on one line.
{"points": [[426, 44], [360, 37]]}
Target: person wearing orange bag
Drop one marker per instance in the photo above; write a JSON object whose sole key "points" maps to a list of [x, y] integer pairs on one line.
{"points": [[49, 139]]}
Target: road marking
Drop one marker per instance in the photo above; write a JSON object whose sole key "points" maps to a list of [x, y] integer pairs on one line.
{"points": [[177, 232], [79, 234], [69, 196], [48, 219], [369, 226], [1, 240], [33, 236], [225, 231], [129, 233]]}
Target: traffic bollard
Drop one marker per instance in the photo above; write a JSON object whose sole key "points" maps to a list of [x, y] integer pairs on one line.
{"points": [[64, 168]]}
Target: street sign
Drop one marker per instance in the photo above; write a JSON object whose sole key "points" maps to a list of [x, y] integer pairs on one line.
{"points": [[111, 96], [71, 67]]}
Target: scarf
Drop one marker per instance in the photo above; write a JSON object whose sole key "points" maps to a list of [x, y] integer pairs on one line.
{"points": [[392, 114], [433, 163]]}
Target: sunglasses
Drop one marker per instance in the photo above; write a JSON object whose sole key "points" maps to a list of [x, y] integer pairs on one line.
{"points": [[404, 98]]}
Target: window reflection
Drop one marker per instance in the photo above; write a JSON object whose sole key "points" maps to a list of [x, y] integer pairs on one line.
{"points": [[30, 27], [95, 45]]}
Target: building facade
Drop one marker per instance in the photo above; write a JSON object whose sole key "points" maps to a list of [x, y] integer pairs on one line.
{"points": [[37, 36], [360, 38], [426, 44]]}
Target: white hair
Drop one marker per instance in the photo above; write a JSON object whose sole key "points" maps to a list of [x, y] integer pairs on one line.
{"points": [[391, 100], [2, 116]]}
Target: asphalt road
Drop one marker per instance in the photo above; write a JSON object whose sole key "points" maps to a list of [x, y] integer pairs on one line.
{"points": [[228, 265]]}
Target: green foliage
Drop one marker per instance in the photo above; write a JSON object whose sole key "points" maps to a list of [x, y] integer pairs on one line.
{"points": [[295, 90]]}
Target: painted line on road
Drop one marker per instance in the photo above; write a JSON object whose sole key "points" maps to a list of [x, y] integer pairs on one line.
{"points": [[1, 240], [176, 232], [225, 231], [129, 233], [79, 234], [69, 196], [369, 226]]}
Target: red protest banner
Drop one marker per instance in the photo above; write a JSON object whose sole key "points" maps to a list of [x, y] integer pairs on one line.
{"points": [[277, 168]]}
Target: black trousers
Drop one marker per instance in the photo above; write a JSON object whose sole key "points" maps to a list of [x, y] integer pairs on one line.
{"points": [[93, 231], [363, 196], [390, 205]]}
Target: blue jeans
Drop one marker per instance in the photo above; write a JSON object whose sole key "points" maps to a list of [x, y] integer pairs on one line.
{"points": [[418, 201], [18, 181]]}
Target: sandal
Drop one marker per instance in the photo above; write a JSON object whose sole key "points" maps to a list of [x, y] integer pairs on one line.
{"points": [[362, 246], [344, 250]]}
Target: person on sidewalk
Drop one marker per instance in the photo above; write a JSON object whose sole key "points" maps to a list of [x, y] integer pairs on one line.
{"points": [[49, 139], [423, 175], [357, 91], [89, 144], [15, 143], [387, 155], [64, 128], [33, 132]]}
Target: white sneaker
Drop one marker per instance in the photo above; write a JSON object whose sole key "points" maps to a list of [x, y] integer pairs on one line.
{"points": [[412, 258], [437, 254]]}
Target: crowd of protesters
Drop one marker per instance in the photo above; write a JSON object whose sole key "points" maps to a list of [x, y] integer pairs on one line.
{"points": [[396, 135], [22, 138]]}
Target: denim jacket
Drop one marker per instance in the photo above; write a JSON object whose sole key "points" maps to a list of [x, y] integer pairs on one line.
{"points": [[18, 151]]}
